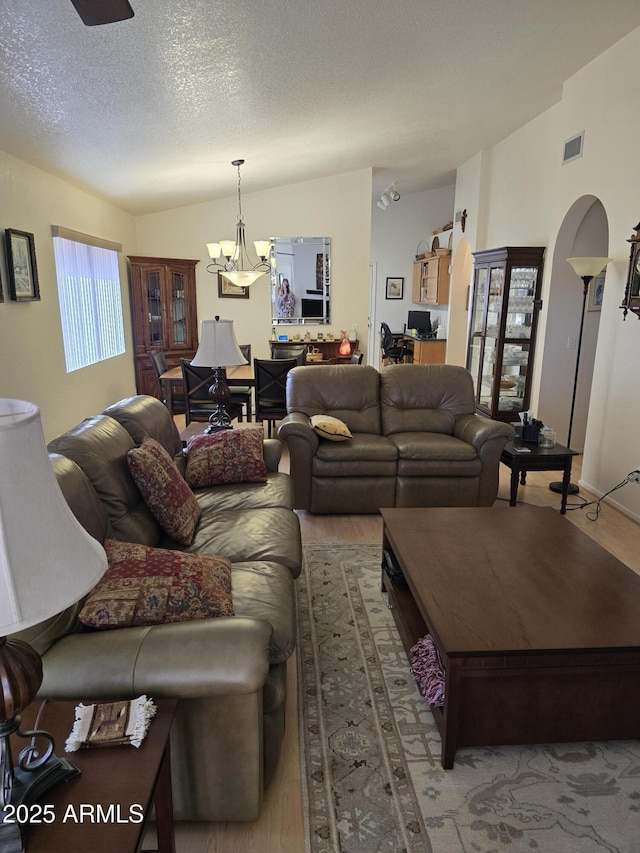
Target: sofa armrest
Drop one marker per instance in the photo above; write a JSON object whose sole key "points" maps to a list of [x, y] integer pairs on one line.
{"points": [[272, 450], [207, 657], [302, 443], [477, 430], [489, 438]]}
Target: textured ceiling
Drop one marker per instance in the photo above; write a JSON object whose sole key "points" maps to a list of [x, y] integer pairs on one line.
{"points": [[149, 113]]}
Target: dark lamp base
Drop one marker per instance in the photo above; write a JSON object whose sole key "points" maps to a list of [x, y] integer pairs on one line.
{"points": [[28, 788], [557, 486]]}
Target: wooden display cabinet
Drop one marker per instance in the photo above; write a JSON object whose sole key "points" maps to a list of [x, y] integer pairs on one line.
{"points": [[504, 314], [431, 279], [164, 316]]}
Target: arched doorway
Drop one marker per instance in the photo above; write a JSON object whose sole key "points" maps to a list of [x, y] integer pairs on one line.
{"points": [[584, 233]]}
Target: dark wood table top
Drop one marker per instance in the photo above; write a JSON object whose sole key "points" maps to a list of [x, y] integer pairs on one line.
{"points": [[513, 448], [118, 776], [497, 579]]}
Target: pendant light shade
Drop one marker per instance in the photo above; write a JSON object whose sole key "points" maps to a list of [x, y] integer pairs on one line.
{"points": [[236, 265]]}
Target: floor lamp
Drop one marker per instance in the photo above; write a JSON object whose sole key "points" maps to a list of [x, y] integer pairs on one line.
{"points": [[586, 268]]}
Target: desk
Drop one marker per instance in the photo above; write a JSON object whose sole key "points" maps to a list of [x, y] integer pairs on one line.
{"points": [[240, 375], [116, 776], [432, 351], [537, 458]]}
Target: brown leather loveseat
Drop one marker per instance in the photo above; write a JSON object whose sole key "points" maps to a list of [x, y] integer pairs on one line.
{"points": [[229, 673], [417, 440]]}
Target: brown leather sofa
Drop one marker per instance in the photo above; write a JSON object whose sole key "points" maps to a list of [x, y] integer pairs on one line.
{"points": [[229, 673], [417, 440]]}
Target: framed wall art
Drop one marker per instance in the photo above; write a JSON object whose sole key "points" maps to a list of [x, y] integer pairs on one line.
{"points": [[596, 292], [21, 265], [395, 288], [228, 290]]}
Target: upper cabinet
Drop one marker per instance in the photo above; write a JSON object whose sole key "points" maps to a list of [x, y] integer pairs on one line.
{"points": [[504, 312], [163, 306], [431, 278]]}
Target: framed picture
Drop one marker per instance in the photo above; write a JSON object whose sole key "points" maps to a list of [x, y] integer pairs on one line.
{"points": [[395, 288], [227, 290], [21, 265], [596, 292]]}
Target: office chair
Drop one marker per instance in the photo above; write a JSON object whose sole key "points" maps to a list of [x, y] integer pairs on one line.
{"points": [[391, 351]]}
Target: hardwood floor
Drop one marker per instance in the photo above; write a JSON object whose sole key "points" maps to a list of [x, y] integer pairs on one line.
{"points": [[280, 828]]}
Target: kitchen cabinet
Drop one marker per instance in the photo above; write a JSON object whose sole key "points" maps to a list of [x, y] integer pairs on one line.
{"points": [[431, 278], [504, 313]]}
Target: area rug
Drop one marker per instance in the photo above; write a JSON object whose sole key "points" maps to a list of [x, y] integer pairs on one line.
{"points": [[372, 777]]}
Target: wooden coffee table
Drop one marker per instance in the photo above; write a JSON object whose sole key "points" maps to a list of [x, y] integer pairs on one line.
{"points": [[536, 625]]}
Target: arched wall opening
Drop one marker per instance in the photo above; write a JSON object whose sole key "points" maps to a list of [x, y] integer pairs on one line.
{"points": [[584, 232]]}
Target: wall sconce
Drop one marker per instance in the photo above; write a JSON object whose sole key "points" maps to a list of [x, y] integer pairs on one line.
{"points": [[631, 300], [389, 195]]}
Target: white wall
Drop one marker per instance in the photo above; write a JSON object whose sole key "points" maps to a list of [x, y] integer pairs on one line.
{"points": [[524, 192], [395, 235], [31, 350], [338, 207]]}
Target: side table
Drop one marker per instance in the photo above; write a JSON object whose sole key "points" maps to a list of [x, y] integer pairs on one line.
{"points": [[522, 457], [106, 807]]}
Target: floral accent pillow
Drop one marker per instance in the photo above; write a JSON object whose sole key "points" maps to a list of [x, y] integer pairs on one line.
{"points": [[228, 456], [164, 490], [151, 586]]}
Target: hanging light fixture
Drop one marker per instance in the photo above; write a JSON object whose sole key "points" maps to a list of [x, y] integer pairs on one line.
{"points": [[236, 265]]}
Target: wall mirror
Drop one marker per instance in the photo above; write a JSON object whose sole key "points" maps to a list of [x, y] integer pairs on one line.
{"points": [[300, 279]]}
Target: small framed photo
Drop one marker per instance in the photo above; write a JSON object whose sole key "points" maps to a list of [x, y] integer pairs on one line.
{"points": [[21, 266], [596, 292], [228, 290], [395, 288]]}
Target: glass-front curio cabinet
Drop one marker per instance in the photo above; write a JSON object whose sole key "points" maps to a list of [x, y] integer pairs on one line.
{"points": [[505, 304], [163, 308]]}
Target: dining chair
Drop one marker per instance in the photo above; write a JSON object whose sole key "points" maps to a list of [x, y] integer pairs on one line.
{"points": [[199, 405], [271, 388], [244, 393], [297, 351], [160, 366]]}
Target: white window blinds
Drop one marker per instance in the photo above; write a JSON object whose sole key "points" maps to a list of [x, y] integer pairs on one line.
{"points": [[90, 300]]}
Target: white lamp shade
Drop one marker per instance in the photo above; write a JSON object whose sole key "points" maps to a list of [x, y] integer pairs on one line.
{"points": [[242, 278], [588, 266], [218, 346], [47, 559], [228, 247], [262, 248], [214, 250]]}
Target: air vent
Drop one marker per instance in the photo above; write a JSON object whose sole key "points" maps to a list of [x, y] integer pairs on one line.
{"points": [[573, 148]]}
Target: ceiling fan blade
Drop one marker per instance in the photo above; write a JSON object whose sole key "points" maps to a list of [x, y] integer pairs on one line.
{"points": [[96, 12]]}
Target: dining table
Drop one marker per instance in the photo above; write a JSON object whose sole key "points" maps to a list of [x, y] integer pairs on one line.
{"points": [[241, 374]]}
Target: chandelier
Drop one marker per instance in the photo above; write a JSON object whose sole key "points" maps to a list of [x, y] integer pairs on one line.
{"points": [[236, 266]]}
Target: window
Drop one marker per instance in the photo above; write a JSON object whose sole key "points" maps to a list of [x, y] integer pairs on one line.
{"points": [[89, 295]]}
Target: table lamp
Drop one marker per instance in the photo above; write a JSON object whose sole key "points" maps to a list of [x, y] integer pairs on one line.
{"points": [[218, 349], [47, 562]]}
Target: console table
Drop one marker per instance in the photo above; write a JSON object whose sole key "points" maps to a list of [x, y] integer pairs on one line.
{"points": [[329, 349]]}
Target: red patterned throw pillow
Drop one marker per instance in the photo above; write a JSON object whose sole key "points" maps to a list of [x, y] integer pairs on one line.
{"points": [[228, 456], [151, 586], [164, 490]]}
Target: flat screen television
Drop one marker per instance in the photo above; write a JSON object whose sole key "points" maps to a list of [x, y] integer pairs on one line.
{"points": [[420, 321]]}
